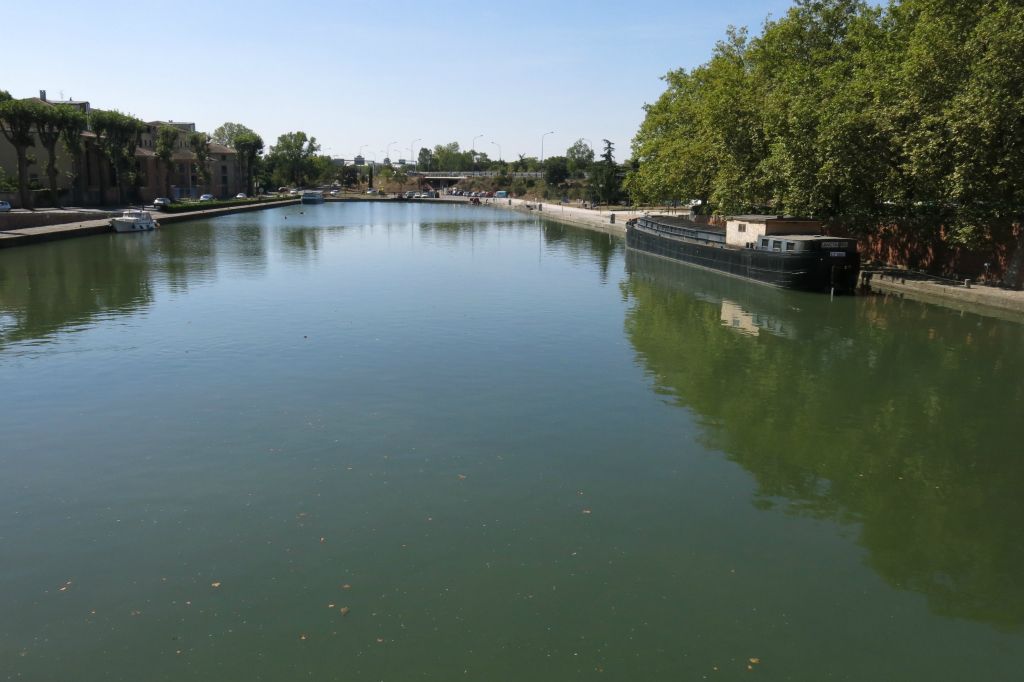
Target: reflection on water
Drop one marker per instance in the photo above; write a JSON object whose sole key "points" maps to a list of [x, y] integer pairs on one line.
{"points": [[899, 419]]}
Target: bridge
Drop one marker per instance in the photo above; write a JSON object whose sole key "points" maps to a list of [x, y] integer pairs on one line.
{"points": [[443, 179]]}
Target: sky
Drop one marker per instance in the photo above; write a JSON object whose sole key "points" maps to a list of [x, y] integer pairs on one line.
{"points": [[376, 77]]}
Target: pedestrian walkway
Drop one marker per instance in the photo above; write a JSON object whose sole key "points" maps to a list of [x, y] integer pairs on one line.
{"points": [[82, 228]]}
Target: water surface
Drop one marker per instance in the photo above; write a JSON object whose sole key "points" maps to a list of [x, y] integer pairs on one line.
{"points": [[525, 452]]}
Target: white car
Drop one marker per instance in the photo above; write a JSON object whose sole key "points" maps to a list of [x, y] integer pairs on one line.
{"points": [[160, 203], [5, 206], [206, 197], [241, 195]]}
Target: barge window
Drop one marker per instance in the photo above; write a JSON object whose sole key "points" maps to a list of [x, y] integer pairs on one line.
{"points": [[742, 227], [764, 243], [790, 246]]}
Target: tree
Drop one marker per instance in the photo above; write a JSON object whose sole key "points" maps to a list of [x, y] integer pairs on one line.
{"points": [[249, 146], [604, 180], [18, 120], [71, 136], [199, 143], [580, 157], [556, 170], [228, 134], [425, 161], [117, 136], [292, 158], [166, 141]]}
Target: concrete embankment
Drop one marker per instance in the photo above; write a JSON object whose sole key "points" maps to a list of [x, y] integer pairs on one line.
{"points": [[981, 300], [613, 222], [81, 224]]}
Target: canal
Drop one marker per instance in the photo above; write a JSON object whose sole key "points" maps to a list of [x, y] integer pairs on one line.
{"points": [[378, 441]]}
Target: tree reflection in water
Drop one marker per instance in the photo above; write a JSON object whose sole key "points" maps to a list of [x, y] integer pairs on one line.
{"points": [[900, 418]]}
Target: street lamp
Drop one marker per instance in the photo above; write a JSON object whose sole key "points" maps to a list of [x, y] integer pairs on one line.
{"points": [[550, 132], [499, 149], [411, 145], [388, 154], [472, 147]]}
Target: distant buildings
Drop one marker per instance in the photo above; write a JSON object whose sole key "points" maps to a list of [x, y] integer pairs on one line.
{"points": [[96, 182]]}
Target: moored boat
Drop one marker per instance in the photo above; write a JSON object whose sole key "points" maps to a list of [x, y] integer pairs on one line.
{"points": [[790, 253], [134, 220]]}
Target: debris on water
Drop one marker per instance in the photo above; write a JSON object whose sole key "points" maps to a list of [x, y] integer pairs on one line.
{"points": [[344, 610], [323, 540], [755, 661], [330, 606], [462, 477], [215, 584], [380, 640], [587, 511], [303, 636]]}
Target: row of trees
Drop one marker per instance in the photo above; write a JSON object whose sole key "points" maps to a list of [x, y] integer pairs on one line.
{"points": [[855, 113], [21, 119], [117, 136]]}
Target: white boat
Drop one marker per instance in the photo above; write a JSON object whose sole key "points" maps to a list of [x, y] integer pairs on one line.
{"points": [[312, 196], [134, 220]]}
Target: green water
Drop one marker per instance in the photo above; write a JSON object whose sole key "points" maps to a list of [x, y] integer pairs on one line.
{"points": [[529, 455]]}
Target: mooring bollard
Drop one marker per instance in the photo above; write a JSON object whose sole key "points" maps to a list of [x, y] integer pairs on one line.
{"points": [[611, 219], [967, 284]]}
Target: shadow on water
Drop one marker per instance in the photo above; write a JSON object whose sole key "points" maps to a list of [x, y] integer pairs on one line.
{"points": [[898, 419], [578, 242], [45, 289]]}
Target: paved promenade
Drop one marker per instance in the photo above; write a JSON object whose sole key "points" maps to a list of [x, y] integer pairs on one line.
{"points": [[82, 228]]}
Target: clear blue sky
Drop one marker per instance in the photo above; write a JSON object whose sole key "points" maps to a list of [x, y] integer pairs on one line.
{"points": [[356, 73]]}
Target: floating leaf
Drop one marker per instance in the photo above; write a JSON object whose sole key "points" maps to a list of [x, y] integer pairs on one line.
{"points": [[215, 584], [344, 610]]}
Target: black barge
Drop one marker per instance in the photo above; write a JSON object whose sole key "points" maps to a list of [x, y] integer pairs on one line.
{"points": [[774, 250]]}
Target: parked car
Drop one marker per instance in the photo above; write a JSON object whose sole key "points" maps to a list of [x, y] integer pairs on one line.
{"points": [[206, 197], [241, 195], [5, 206], [161, 203]]}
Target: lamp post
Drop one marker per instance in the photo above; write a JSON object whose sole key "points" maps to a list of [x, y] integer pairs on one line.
{"points": [[388, 154], [472, 147], [411, 145], [499, 149], [550, 132]]}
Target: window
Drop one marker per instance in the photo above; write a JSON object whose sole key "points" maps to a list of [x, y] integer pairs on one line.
{"points": [[764, 243], [742, 227], [790, 246]]}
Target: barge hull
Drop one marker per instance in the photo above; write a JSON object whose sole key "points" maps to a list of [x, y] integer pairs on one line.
{"points": [[812, 271]]}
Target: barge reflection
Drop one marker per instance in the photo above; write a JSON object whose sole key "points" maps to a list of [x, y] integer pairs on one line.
{"points": [[893, 418]]}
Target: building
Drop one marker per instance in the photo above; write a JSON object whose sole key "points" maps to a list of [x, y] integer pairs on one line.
{"points": [[97, 183]]}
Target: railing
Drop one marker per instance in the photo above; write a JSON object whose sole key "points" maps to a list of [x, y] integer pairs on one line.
{"points": [[477, 174]]}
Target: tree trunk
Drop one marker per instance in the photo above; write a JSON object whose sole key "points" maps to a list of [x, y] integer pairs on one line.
{"points": [[51, 173], [1012, 276], [76, 181], [102, 171], [23, 190]]}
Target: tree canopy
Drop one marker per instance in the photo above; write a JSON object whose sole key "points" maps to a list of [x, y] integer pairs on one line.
{"points": [[228, 133], [291, 159], [854, 113]]}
